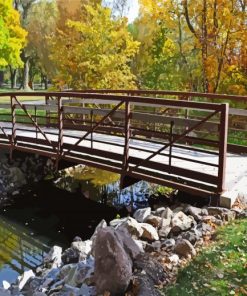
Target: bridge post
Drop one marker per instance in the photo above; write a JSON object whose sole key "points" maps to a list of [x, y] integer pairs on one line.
{"points": [[13, 136], [223, 147], [60, 131]]}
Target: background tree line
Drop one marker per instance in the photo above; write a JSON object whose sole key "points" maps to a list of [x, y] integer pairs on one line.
{"points": [[80, 44]]}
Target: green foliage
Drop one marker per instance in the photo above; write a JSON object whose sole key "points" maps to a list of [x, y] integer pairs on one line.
{"points": [[219, 269], [12, 36]]}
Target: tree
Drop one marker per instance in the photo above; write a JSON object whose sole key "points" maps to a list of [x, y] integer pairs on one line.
{"points": [[12, 35], [94, 51], [41, 24]]}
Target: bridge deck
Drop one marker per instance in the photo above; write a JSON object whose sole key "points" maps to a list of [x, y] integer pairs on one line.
{"points": [[236, 165]]}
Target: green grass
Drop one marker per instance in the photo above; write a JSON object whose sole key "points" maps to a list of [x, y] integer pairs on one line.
{"points": [[6, 99], [220, 269]]}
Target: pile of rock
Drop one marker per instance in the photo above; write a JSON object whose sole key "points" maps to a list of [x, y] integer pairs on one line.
{"points": [[22, 170], [131, 256]]}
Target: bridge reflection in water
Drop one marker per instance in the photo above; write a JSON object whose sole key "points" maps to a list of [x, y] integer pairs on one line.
{"points": [[18, 251]]}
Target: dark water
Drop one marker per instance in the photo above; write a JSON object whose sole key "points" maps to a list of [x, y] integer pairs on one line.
{"points": [[45, 214]]}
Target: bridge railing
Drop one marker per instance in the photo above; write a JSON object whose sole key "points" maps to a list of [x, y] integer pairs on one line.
{"points": [[237, 122], [138, 137]]}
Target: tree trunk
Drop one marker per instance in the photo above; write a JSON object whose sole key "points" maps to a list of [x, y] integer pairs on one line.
{"points": [[1, 78], [13, 77], [25, 77]]}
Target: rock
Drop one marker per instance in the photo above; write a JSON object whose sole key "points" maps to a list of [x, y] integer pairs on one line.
{"points": [[167, 213], [181, 222], [204, 229], [101, 225], [192, 235], [149, 232], [174, 259], [156, 245], [114, 223], [184, 248], [178, 209], [224, 213], [155, 221], [81, 274], [164, 228], [87, 291], [4, 292], [68, 291], [130, 247], [242, 214], [66, 269], [131, 226], [144, 264], [6, 285], [168, 244], [159, 211], [145, 285], [54, 257], [195, 212], [141, 214], [79, 250], [141, 245], [113, 266], [22, 280]]}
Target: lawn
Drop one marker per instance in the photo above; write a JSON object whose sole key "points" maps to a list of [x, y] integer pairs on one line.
{"points": [[220, 269], [6, 99]]}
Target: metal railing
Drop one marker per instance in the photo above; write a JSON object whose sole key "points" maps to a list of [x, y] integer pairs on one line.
{"points": [[139, 137]]}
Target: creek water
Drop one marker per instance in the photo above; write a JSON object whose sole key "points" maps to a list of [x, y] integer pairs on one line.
{"points": [[55, 211]]}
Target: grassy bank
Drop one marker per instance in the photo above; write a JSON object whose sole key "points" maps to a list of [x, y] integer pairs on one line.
{"points": [[220, 269]]}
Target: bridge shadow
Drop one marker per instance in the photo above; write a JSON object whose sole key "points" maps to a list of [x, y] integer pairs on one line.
{"points": [[56, 214]]}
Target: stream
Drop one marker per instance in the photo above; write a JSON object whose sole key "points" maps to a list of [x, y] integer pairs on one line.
{"points": [[55, 211]]}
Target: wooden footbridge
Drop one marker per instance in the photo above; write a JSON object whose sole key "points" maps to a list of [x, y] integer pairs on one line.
{"points": [[183, 140]]}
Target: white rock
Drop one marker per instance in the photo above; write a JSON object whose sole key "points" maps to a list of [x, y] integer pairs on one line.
{"points": [[131, 226], [24, 278], [181, 222], [54, 257], [141, 214], [174, 259], [167, 213], [149, 232], [6, 285], [114, 223]]}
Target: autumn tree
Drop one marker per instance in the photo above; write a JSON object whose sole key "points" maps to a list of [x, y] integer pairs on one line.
{"points": [[94, 51], [12, 36], [41, 24]]}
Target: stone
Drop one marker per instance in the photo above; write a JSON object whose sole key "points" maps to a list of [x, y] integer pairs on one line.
{"points": [[174, 259], [79, 250], [22, 280], [144, 264], [141, 214], [6, 285], [141, 245], [195, 212], [164, 228], [87, 290], [114, 223], [101, 225], [192, 235], [159, 211], [131, 226], [155, 221], [4, 292], [181, 222], [204, 229], [81, 273], [66, 269], [130, 247], [168, 244], [149, 232], [167, 213], [242, 214], [113, 266], [54, 257], [184, 248], [68, 291], [145, 285], [225, 214]]}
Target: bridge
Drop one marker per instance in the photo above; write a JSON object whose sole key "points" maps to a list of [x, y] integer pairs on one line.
{"points": [[193, 142]]}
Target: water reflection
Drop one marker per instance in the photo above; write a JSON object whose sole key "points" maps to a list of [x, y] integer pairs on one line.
{"points": [[103, 186], [18, 251]]}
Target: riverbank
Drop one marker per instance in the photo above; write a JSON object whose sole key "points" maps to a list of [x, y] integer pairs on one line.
{"points": [[131, 256]]}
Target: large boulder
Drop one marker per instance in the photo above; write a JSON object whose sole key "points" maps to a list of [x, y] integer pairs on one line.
{"points": [[181, 222], [141, 214], [184, 248], [113, 266], [149, 232], [101, 225], [224, 213]]}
